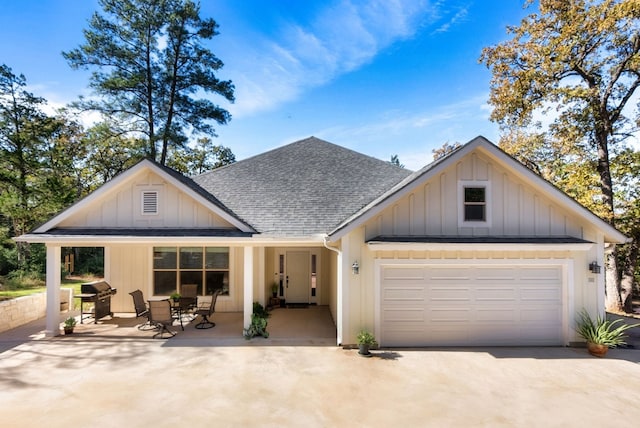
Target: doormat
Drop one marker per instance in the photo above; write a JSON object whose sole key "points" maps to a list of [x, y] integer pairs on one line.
{"points": [[297, 305]]}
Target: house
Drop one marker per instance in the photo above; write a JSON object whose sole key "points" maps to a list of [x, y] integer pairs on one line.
{"points": [[473, 249]]}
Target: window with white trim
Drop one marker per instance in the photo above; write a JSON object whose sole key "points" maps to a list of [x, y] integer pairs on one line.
{"points": [[208, 267], [474, 207]]}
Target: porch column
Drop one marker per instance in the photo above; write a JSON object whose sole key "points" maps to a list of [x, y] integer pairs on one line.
{"points": [[343, 269], [52, 327], [248, 286]]}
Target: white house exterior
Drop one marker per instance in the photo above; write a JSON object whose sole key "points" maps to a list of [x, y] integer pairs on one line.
{"points": [[473, 249]]}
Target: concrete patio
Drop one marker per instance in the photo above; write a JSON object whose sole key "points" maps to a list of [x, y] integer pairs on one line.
{"points": [[103, 378]]}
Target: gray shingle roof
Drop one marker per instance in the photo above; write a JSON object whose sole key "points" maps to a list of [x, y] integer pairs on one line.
{"points": [[305, 188]]}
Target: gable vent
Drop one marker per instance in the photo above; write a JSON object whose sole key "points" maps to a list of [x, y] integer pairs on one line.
{"points": [[149, 203]]}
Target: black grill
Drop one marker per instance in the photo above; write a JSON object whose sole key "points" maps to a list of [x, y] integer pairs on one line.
{"points": [[100, 294]]}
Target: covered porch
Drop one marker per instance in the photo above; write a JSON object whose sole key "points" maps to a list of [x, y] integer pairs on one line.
{"points": [[311, 326], [252, 271]]}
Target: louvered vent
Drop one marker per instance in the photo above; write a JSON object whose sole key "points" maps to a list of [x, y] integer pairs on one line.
{"points": [[149, 203]]}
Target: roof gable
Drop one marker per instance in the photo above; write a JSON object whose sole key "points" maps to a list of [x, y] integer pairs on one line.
{"points": [[434, 173], [118, 204], [301, 189]]}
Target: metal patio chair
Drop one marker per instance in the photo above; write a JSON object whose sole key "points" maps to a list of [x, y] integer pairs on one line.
{"points": [[141, 310], [206, 309], [160, 315]]}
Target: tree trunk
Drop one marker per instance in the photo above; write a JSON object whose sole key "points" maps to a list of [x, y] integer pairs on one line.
{"points": [[612, 281], [628, 278]]}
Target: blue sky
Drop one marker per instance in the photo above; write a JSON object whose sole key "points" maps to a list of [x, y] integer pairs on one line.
{"points": [[382, 77]]}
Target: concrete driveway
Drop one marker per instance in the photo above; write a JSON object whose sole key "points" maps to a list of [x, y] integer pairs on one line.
{"points": [[132, 382]]}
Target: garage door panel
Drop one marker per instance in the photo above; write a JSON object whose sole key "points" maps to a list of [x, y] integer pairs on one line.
{"points": [[449, 315], [391, 274], [490, 294], [403, 315], [472, 305], [493, 315], [403, 294], [548, 316], [543, 293], [449, 293]]}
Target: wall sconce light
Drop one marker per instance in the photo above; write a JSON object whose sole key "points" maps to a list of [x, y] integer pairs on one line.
{"points": [[355, 268], [594, 267]]}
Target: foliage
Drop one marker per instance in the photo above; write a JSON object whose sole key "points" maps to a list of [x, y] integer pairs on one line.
{"points": [[258, 326], [260, 310], [366, 338], [445, 150], [70, 322], [561, 90], [108, 153], [24, 280], [396, 161], [204, 157], [149, 65], [602, 331], [175, 296]]}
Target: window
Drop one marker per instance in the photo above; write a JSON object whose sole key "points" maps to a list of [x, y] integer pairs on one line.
{"points": [[208, 267], [149, 202], [474, 208], [475, 204]]}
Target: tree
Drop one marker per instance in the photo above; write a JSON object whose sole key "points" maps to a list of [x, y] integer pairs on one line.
{"points": [[108, 153], [576, 64], [396, 161], [37, 155], [149, 64], [444, 150], [205, 156]]}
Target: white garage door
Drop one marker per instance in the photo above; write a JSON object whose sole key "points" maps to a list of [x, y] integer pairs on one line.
{"points": [[478, 305]]}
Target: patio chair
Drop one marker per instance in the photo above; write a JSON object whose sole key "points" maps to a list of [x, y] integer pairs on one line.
{"points": [[206, 309], [141, 310], [188, 296], [160, 315]]}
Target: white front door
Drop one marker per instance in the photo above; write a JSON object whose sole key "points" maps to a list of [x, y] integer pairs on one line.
{"points": [[297, 280]]}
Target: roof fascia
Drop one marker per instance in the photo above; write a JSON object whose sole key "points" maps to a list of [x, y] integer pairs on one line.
{"points": [[128, 175], [101, 240], [433, 246]]}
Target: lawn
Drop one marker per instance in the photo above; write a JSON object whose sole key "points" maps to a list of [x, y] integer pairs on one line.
{"points": [[13, 291]]}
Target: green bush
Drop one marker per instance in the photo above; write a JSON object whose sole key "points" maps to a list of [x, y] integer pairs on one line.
{"points": [[22, 280], [258, 326]]}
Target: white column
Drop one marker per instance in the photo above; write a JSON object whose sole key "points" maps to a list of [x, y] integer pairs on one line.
{"points": [[261, 283], [248, 285], [52, 327], [343, 271]]}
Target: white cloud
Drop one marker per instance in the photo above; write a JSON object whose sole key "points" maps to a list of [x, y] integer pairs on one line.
{"points": [[340, 38]]}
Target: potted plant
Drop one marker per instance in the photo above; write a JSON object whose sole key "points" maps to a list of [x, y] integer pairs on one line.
{"points": [[274, 289], [365, 341], [175, 297], [601, 334], [69, 324]]}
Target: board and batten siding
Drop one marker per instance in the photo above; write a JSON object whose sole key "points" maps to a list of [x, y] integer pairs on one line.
{"points": [[130, 267], [431, 208], [122, 208]]}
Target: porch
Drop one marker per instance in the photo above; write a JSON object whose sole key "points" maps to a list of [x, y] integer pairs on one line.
{"points": [[310, 326]]}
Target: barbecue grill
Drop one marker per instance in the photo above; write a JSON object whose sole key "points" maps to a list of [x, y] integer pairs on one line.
{"points": [[99, 293]]}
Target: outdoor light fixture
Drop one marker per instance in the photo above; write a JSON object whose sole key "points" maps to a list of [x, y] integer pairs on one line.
{"points": [[594, 267], [355, 268]]}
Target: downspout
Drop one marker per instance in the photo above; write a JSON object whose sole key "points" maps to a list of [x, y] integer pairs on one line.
{"points": [[339, 299]]}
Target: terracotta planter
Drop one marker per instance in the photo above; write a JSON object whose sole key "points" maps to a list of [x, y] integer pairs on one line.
{"points": [[597, 350]]}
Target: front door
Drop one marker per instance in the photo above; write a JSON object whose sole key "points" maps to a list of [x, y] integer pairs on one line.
{"points": [[297, 281]]}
